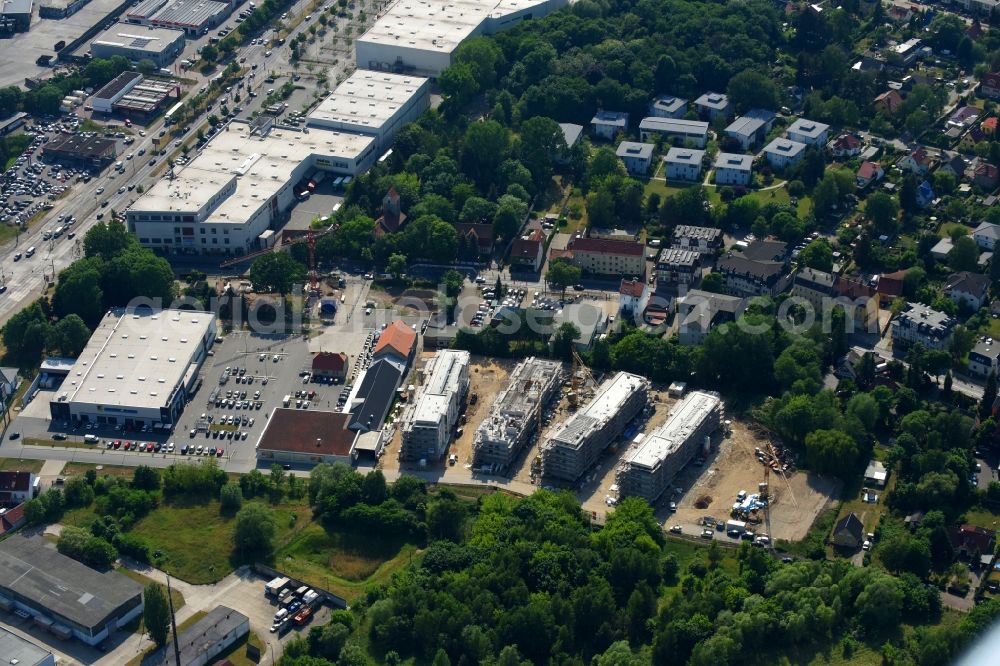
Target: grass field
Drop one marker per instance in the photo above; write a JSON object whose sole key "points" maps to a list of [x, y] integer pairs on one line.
{"points": [[344, 564], [65, 444], [75, 468], [778, 195], [175, 596], [10, 464], [197, 541], [983, 518]]}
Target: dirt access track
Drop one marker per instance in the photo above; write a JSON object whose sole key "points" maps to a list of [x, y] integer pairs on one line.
{"points": [[732, 467]]}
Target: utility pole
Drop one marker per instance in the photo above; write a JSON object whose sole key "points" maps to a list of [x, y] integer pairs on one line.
{"points": [[173, 624]]}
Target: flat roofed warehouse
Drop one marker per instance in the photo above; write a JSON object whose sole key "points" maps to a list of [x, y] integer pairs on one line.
{"points": [[429, 419], [15, 15], [307, 436], [18, 651], [138, 368], [78, 600], [205, 639], [95, 152], [145, 97], [420, 36], [194, 17], [579, 440], [513, 417], [236, 188], [161, 45], [377, 103], [649, 466]]}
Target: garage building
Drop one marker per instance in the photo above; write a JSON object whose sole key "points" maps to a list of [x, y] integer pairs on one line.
{"points": [[65, 596], [307, 436], [194, 17], [138, 369], [95, 152], [161, 45], [205, 639], [105, 98]]}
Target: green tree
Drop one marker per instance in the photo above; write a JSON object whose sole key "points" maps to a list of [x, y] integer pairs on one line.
{"points": [[989, 396], [562, 274], [396, 266], [276, 271], [254, 529], [70, 335], [542, 142], [883, 211], [964, 255], [750, 89], [146, 67], [156, 613], [564, 340], [485, 147], [818, 254], [230, 498], [832, 452], [209, 53]]}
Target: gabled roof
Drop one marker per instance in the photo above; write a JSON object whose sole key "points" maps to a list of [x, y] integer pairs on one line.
{"points": [[308, 431], [852, 525], [970, 283], [375, 394], [397, 337], [605, 246], [846, 142], [852, 289], [632, 288], [869, 170], [527, 246], [988, 230], [8, 375], [329, 361], [483, 233], [765, 250]]}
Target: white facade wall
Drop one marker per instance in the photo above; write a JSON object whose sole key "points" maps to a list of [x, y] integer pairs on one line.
{"points": [[685, 171], [726, 176]]}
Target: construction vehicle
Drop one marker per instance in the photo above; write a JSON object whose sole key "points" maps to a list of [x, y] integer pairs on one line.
{"points": [[579, 367]]}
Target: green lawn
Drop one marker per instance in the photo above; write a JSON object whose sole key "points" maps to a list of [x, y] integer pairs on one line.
{"points": [[777, 195], [64, 444], [197, 541], [75, 468], [12, 464], [983, 518], [343, 563], [175, 596]]}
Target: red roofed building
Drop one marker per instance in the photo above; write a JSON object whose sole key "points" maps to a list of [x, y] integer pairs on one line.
{"points": [[888, 102], [393, 218], [398, 340], [608, 257], [478, 238], [16, 487], [845, 145], [528, 250], [868, 173], [989, 126], [865, 303], [633, 295], [972, 540], [330, 365], [986, 176], [890, 285], [12, 519]]}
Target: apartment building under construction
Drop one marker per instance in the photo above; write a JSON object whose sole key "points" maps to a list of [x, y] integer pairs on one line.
{"points": [[514, 417], [579, 440], [650, 465]]}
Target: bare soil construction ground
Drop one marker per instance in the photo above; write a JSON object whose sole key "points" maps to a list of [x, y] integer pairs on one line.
{"points": [[711, 490]]}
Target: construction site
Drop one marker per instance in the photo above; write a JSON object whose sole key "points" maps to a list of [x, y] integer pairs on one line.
{"points": [[747, 478], [651, 463], [575, 444], [516, 416]]}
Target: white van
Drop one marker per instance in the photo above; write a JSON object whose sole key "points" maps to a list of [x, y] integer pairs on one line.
{"points": [[30, 252], [287, 399], [91, 439]]}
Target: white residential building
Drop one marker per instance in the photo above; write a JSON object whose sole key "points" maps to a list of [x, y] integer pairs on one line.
{"points": [[576, 443], [782, 153], [920, 324], [985, 357], [607, 124], [636, 156], [668, 106], [429, 419], [986, 235], [712, 105], [747, 131], [675, 130], [809, 132], [683, 164], [650, 465], [733, 169]]}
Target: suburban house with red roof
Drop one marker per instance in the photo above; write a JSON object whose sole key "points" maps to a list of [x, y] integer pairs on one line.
{"points": [[990, 85], [477, 238], [330, 365], [888, 102], [986, 176], [16, 487], [868, 173], [971, 540], [528, 251], [633, 295], [392, 218], [12, 519], [845, 145]]}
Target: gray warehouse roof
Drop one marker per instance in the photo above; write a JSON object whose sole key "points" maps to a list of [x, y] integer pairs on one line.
{"points": [[117, 84], [684, 156], [15, 6], [189, 12], [202, 636], [139, 37], [34, 570], [16, 650]]}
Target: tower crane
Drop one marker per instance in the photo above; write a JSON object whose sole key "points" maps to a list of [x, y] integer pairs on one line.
{"points": [[309, 238]]}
